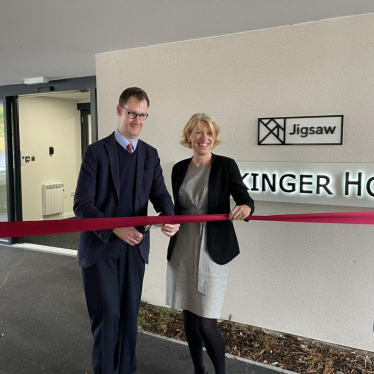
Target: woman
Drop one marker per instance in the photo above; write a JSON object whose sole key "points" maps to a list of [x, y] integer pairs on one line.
{"points": [[200, 252]]}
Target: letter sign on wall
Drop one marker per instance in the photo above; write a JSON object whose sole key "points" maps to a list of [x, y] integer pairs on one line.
{"points": [[344, 184], [327, 130]]}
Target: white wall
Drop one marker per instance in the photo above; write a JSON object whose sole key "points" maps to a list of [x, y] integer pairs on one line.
{"points": [[46, 122], [306, 279]]}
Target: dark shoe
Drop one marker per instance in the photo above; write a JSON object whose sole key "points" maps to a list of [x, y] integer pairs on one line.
{"points": [[205, 372]]}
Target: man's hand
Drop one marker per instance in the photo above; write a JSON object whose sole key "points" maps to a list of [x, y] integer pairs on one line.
{"points": [[130, 235], [170, 230], [239, 213]]}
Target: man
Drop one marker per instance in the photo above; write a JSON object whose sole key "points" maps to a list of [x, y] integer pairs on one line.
{"points": [[119, 174]]}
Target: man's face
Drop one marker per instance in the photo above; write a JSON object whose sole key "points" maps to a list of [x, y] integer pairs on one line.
{"points": [[131, 128]]}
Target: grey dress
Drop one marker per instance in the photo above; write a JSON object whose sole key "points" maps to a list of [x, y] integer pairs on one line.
{"points": [[194, 281]]}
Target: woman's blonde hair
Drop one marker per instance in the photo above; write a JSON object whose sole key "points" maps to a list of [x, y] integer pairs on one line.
{"points": [[194, 120]]}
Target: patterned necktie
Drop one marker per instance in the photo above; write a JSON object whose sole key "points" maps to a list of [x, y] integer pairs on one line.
{"points": [[129, 148]]}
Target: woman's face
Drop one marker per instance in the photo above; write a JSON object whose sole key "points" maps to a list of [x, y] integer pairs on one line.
{"points": [[201, 139]]}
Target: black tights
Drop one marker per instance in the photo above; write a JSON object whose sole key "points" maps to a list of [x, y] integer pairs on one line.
{"points": [[201, 330]]}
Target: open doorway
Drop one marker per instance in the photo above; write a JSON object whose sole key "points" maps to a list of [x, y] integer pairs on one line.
{"points": [[54, 130], [26, 158]]}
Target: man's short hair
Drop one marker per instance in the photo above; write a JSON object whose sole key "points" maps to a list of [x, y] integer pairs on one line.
{"points": [[133, 91]]}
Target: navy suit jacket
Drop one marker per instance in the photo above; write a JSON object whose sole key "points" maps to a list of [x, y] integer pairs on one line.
{"points": [[98, 193], [224, 180]]}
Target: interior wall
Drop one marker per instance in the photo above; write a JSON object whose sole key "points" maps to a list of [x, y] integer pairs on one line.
{"points": [[46, 122], [305, 279]]}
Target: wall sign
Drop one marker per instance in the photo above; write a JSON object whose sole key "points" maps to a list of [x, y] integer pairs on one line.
{"points": [[343, 184], [327, 130]]}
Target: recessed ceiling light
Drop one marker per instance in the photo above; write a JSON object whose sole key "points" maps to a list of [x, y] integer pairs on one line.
{"points": [[37, 80]]}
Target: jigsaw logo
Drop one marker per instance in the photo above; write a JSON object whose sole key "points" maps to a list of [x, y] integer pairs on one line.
{"points": [[271, 131], [326, 130]]}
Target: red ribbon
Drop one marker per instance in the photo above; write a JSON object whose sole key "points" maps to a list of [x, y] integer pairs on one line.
{"points": [[34, 228]]}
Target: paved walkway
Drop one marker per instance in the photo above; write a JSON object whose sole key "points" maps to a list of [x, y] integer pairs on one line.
{"points": [[46, 328]]}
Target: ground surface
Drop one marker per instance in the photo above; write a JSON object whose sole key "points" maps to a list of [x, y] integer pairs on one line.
{"points": [[45, 328]]}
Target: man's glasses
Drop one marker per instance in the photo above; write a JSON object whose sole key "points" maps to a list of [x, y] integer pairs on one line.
{"points": [[132, 115]]}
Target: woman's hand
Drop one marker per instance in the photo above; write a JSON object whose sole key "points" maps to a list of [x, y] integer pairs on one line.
{"points": [[170, 230], [239, 213]]}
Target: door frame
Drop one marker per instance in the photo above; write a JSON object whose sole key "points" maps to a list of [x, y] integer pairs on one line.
{"points": [[9, 94], [85, 111]]}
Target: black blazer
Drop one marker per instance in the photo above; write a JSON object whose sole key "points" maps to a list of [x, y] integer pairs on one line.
{"points": [[224, 180], [98, 193]]}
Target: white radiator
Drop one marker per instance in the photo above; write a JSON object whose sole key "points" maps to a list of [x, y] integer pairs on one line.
{"points": [[53, 198]]}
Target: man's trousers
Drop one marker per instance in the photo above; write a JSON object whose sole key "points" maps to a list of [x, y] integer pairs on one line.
{"points": [[113, 287]]}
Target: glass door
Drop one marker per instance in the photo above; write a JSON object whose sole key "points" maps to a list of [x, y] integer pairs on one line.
{"points": [[4, 171], [3, 182]]}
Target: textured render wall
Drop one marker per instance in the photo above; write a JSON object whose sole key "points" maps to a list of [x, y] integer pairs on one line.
{"points": [[46, 122], [307, 279]]}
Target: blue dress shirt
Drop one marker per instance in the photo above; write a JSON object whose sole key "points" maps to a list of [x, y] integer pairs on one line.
{"points": [[124, 142]]}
